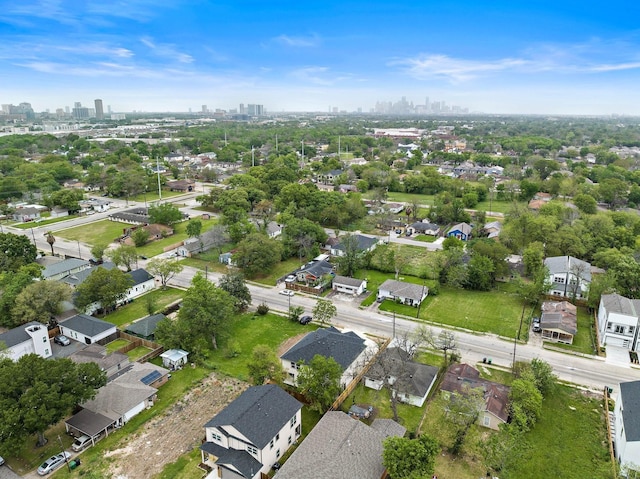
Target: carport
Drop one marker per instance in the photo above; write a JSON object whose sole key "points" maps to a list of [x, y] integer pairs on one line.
{"points": [[90, 423]]}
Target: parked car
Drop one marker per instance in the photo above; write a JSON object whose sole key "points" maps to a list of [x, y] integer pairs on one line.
{"points": [[1, 460], [290, 279], [287, 292], [81, 443], [535, 325], [62, 340], [306, 319], [53, 463]]}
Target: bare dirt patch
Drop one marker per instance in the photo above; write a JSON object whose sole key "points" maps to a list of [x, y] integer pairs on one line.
{"points": [[164, 439], [286, 345]]}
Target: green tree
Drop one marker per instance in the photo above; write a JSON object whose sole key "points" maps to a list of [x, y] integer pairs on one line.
{"points": [[164, 214], [480, 273], [586, 203], [234, 284], [257, 254], [319, 381], [463, 411], [407, 458], [351, 259], [194, 230], [15, 251], [140, 236], [265, 366], [40, 301], [295, 312], [124, 255], [36, 393], [525, 401], [104, 286], [165, 269], [98, 249], [324, 311]]}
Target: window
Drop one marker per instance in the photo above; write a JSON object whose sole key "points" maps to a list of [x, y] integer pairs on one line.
{"points": [[252, 450], [293, 421], [278, 437], [487, 421], [631, 329], [289, 440], [293, 365], [44, 339], [559, 279], [278, 453], [216, 437], [609, 326], [619, 329], [271, 444]]}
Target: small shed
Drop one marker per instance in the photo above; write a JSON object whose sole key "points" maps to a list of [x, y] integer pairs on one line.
{"points": [[174, 358]]}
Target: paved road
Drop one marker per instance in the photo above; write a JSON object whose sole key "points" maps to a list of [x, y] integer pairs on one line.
{"points": [[591, 372], [6, 473]]}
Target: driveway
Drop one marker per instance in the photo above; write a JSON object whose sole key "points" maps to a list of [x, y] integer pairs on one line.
{"points": [[618, 356], [6, 473]]}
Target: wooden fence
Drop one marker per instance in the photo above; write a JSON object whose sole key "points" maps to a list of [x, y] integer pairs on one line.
{"points": [[606, 398], [135, 341], [352, 385]]}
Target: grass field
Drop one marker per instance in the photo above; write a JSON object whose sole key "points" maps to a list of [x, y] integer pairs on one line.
{"points": [[115, 345], [125, 315], [138, 352], [279, 270], [42, 222]]}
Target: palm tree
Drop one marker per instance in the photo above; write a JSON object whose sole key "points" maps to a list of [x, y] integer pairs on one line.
{"points": [[50, 240]]}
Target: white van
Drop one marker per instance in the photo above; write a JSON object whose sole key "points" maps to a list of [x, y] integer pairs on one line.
{"points": [[81, 443]]}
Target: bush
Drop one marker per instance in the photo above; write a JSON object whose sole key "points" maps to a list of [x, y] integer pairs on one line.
{"points": [[263, 308], [232, 350], [434, 290]]}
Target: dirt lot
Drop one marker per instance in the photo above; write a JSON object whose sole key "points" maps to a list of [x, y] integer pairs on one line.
{"points": [[163, 440]]}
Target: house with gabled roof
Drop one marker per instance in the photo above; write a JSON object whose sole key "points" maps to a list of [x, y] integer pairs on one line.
{"points": [[626, 430], [340, 447], [460, 378], [145, 328], [559, 321], [252, 433], [66, 267], [570, 277], [365, 244], [405, 293], [424, 228], [462, 231], [618, 321], [88, 330], [29, 338], [347, 348], [344, 284]]}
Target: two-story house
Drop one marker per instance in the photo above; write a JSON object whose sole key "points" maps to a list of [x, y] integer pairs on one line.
{"points": [[570, 277], [29, 338], [618, 321], [627, 425], [249, 436]]}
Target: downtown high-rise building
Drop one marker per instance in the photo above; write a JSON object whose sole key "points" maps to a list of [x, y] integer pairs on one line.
{"points": [[99, 109]]}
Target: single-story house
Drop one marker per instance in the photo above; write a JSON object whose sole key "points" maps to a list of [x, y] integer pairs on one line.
{"points": [[410, 381], [626, 431], [26, 214], [570, 277], [341, 447], [174, 358], [462, 231], [344, 284], [251, 434], [347, 348], [226, 258], [29, 338], [145, 328], [181, 185], [112, 364], [460, 378], [143, 282], [59, 212], [559, 321], [424, 228], [492, 229], [313, 271], [87, 329], [77, 278], [406, 293], [135, 216], [157, 231], [365, 244], [618, 321]]}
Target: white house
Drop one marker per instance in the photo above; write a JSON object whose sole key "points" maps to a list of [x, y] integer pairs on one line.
{"points": [[627, 425], [29, 338], [87, 329], [570, 277], [348, 349], [344, 284], [406, 293], [364, 244], [252, 433], [618, 321]]}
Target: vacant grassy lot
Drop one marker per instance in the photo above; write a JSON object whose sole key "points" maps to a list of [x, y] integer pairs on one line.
{"points": [[103, 230], [279, 270], [125, 315], [495, 312]]}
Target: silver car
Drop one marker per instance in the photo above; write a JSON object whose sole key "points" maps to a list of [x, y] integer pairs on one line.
{"points": [[53, 463]]}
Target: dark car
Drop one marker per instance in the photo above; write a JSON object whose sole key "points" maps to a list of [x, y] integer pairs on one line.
{"points": [[535, 325], [306, 319], [62, 340]]}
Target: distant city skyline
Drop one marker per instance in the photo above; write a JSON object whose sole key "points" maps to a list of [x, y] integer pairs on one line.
{"points": [[538, 57]]}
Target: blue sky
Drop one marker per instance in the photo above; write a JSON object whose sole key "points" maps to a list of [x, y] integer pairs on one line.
{"points": [[541, 57]]}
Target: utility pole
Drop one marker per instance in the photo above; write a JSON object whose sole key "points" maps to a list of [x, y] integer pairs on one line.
{"points": [[158, 172], [66, 459]]}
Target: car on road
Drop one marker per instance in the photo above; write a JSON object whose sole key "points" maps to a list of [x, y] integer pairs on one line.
{"points": [[62, 340], [287, 292], [53, 463], [535, 325], [306, 319]]}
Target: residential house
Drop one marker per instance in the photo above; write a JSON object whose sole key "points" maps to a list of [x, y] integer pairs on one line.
{"points": [[87, 329], [313, 271], [405, 293], [340, 447], [344, 284], [329, 177], [64, 268], [347, 188], [410, 381], [626, 430], [460, 378], [618, 319], [226, 258], [252, 433], [570, 277], [29, 338], [492, 229], [174, 358], [134, 216], [462, 231], [183, 186], [111, 363], [424, 228], [347, 348], [145, 328], [59, 212], [157, 231], [364, 245], [558, 321], [26, 214]]}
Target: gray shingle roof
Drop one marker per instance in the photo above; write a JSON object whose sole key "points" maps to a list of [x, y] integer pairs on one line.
{"points": [[405, 290], [240, 460], [630, 394], [347, 281], [146, 326], [565, 264], [343, 347], [87, 325], [139, 276], [78, 278], [339, 447], [18, 335], [364, 243], [412, 378], [258, 413], [63, 266], [614, 303]]}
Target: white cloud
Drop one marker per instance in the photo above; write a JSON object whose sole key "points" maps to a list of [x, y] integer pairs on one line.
{"points": [[292, 41], [166, 50]]}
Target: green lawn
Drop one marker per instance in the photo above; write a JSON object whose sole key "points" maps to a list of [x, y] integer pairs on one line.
{"points": [[583, 340], [247, 331], [115, 345], [425, 238], [495, 312], [279, 270], [138, 352], [103, 230], [42, 222], [125, 315], [496, 206], [186, 467], [180, 234]]}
